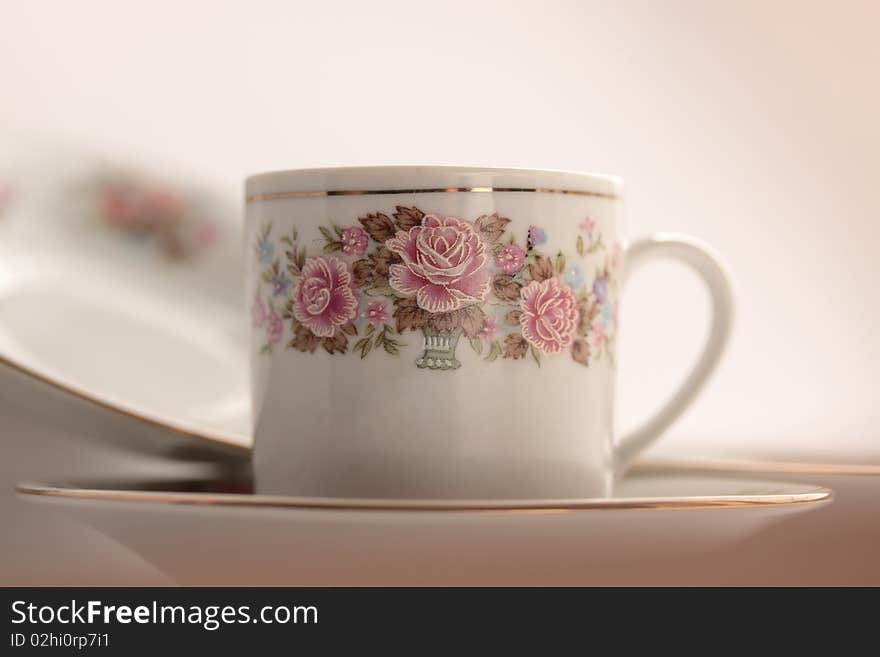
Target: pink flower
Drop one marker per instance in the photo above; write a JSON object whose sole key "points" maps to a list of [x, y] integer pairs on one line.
{"points": [[549, 315], [598, 333], [275, 329], [323, 296], [443, 264], [376, 313], [355, 241], [587, 225], [258, 313], [490, 328], [510, 258]]}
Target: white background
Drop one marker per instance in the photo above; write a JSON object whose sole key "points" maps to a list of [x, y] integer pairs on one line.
{"points": [[751, 124]]}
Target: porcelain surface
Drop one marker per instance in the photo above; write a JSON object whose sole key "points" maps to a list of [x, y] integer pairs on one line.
{"points": [[446, 332], [216, 531]]}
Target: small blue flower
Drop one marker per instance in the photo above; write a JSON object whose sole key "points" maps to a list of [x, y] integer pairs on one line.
{"points": [[607, 311], [265, 250], [574, 276], [536, 236], [600, 289], [280, 284]]}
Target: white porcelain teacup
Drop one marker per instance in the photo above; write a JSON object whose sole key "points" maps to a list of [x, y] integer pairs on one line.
{"points": [[446, 332]]}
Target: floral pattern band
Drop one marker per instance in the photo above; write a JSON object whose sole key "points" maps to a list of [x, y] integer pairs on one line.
{"points": [[368, 285]]}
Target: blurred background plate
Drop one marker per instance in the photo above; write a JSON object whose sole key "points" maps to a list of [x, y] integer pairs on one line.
{"points": [[124, 289]]}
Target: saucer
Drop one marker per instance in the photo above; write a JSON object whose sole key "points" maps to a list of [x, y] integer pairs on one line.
{"points": [[217, 531]]}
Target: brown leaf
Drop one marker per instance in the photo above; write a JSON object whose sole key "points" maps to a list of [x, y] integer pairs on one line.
{"points": [[515, 346], [303, 339], [506, 288], [513, 317], [587, 311], [472, 319], [406, 218], [442, 322], [580, 351], [409, 315], [349, 329], [541, 269], [338, 343], [491, 227], [469, 319], [362, 273], [381, 258], [287, 311], [379, 226]]}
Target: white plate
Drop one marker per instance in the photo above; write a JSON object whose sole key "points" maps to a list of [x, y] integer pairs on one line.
{"points": [[124, 329], [218, 533]]}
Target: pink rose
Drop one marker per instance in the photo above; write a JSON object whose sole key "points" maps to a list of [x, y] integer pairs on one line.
{"points": [[510, 258], [443, 264], [376, 313], [259, 313], [275, 329], [549, 315], [355, 241], [323, 296]]}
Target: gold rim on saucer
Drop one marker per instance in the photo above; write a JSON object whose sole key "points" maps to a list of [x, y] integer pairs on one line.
{"points": [[779, 496]]}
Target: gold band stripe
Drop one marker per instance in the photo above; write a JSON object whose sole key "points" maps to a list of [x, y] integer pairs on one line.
{"points": [[275, 196], [818, 494]]}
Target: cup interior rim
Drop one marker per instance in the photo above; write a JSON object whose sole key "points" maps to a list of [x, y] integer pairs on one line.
{"points": [[427, 178]]}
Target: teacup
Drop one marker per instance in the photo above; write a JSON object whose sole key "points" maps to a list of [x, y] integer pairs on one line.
{"points": [[447, 332]]}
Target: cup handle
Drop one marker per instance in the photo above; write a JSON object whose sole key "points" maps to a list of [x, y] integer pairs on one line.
{"points": [[704, 261]]}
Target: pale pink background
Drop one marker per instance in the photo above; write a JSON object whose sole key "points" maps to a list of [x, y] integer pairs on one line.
{"points": [[752, 124]]}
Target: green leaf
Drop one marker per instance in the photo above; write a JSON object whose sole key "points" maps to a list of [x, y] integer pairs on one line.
{"points": [[476, 345], [265, 349], [560, 263], [494, 351], [363, 345], [337, 230], [536, 354], [580, 245], [370, 330], [330, 247], [326, 233]]}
